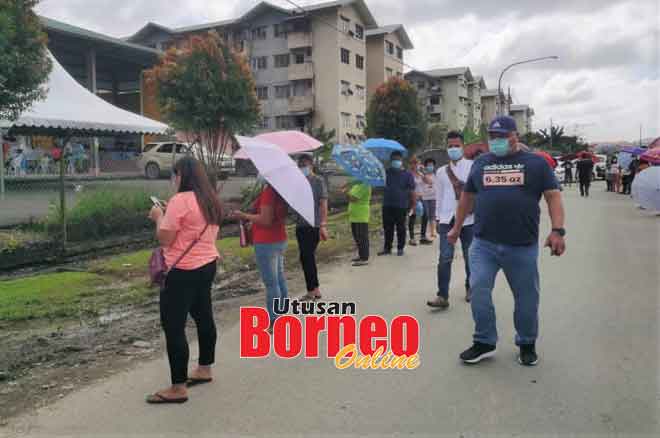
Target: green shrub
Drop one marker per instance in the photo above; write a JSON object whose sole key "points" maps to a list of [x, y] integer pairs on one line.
{"points": [[103, 213]]}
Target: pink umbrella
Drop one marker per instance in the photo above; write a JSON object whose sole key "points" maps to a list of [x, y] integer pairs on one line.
{"points": [[291, 142], [651, 156]]}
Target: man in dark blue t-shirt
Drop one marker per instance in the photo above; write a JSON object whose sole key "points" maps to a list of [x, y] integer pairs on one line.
{"points": [[504, 189], [398, 200]]}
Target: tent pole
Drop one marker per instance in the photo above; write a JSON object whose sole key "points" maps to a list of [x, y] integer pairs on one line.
{"points": [[2, 165], [62, 191]]}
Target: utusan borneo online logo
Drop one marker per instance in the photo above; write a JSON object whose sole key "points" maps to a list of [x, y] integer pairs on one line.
{"points": [[304, 327]]}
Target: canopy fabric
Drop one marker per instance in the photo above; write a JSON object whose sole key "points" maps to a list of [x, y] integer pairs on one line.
{"points": [[70, 106]]}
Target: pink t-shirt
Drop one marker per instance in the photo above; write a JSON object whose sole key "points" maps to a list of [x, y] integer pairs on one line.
{"points": [[184, 216]]}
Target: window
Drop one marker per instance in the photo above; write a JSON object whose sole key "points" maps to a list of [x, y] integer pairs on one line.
{"points": [[345, 88], [421, 85], [299, 58], [262, 93], [259, 63], [399, 52], [282, 91], [279, 31], [166, 148], [389, 48], [399, 74], [360, 92], [259, 33], [345, 24], [359, 32], [434, 100], [264, 123], [345, 56], [282, 61], [181, 148], [346, 120], [284, 122], [359, 122], [359, 62], [302, 88], [388, 73]]}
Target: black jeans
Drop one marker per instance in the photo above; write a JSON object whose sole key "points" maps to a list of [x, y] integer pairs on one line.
{"points": [[308, 240], [584, 187], [361, 237], [627, 184], [411, 225], [394, 218], [188, 292]]}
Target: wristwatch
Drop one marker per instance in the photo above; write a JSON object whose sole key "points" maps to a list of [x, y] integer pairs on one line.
{"points": [[560, 231]]}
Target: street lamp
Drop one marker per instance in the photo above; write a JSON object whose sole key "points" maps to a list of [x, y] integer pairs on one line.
{"points": [[499, 82]]}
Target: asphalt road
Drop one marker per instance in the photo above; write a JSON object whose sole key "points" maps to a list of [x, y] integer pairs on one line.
{"points": [[597, 376]]}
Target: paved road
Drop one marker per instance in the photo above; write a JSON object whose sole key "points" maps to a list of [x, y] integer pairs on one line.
{"points": [[598, 374]]}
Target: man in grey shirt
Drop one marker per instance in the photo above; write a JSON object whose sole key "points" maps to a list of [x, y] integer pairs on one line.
{"points": [[309, 235]]}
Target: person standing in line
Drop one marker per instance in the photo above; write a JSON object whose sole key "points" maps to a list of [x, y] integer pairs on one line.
{"points": [[398, 200], [616, 171], [413, 166], [270, 241], [187, 230], [310, 235], [428, 200], [585, 168], [449, 183], [504, 189], [627, 178], [568, 172], [359, 212], [609, 176]]}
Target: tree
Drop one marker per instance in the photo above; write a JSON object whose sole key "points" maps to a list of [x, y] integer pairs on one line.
{"points": [[437, 135], [554, 136], [326, 137], [207, 91], [469, 136], [24, 61], [395, 113]]}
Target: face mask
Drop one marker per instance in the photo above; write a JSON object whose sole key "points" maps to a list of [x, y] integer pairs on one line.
{"points": [[499, 146], [396, 164], [306, 171], [430, 168], [455, 154]]}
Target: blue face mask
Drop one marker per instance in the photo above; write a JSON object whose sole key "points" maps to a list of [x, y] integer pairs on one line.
{"points": [[455, 154], [430, 168], [396, 164], [306, 170], [499, 146]]}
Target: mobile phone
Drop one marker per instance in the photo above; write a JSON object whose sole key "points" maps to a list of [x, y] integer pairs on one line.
{"points": [[157, 202]]}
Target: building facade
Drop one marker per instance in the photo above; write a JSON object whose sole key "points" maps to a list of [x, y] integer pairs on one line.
{"points": [[475, 88], [385, 51], [523, 115], [490, 103], [444, 95]]}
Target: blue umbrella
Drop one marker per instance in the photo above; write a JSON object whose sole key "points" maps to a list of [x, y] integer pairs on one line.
{"points": [[633, 150], [624, 159], [360, 164], [383, 148]]}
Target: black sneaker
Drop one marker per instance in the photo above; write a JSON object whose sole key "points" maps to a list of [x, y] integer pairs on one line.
{"points": [[478, 352], [399, 252], [356, 259], [361, 263], [528, 356], [384, 253], [425, 242]]}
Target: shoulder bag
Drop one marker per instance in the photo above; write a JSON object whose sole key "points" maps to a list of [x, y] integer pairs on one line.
{"points": [[158, 269]]}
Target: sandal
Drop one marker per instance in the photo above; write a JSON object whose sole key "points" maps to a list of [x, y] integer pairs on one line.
{"points": [[310, 297], [195, 382], [159, 399]]}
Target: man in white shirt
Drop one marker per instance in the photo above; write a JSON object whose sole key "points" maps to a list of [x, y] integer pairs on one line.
{"points": [[449, 181]]}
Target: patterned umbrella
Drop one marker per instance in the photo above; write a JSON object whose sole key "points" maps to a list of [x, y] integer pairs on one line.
{"points": [[360, 164]]}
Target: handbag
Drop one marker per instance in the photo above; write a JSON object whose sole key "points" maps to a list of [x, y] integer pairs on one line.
{"points": [[245, 229], [158, 269], [456, 183]]}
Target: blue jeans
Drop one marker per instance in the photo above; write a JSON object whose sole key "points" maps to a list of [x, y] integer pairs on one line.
{"points": [[270, 261], [447, 256], [520, 266]]}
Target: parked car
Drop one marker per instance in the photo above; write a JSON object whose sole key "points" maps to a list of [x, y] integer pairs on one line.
{"points": [[157, 159]]}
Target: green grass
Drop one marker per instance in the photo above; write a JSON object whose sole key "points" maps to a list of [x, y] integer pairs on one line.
{"points": [[46, 296]]}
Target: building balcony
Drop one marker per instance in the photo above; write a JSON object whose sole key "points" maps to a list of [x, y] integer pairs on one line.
{"points": [[301, 104], [299, 40], [434, 109], [302, 71]]}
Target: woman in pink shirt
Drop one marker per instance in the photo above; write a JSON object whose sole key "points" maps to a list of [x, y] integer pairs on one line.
{"points": [[191, 223]]}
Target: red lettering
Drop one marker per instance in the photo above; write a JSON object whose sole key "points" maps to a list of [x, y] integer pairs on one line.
{"points": [[254, 322], [411, 339], [294, 346], [335, 323], [373, 329], [313, 326]]}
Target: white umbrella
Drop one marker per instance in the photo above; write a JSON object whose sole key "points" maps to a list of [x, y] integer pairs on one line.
{"points": [[282, 173], [646, 188]]}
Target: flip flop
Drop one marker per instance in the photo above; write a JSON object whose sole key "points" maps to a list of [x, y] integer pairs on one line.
{"points": [[159, 399], [195, 382]]}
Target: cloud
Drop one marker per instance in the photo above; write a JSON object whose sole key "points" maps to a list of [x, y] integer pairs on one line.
{"points": [[605, 84]]}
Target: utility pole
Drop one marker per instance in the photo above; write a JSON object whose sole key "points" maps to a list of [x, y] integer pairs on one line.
{"points": [[499, 82], [640, 135], [551, 142]]}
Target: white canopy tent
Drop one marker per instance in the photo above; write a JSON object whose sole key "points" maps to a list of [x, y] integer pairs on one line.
{"points": [[71, 108]]}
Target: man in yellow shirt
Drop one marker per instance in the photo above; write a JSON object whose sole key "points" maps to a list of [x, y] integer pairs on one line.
{"points": [[359, 209]]}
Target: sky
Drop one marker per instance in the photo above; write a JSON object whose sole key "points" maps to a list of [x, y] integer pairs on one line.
{"points": [[605, 84]]}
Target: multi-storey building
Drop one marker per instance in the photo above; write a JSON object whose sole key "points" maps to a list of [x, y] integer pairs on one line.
{"points": [[444, 95], [475, 88], [385, 49], [310, 66], [523, 115], [490, 103]]}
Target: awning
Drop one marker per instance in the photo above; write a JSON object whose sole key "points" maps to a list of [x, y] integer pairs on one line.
{"points": [[71, 107]]}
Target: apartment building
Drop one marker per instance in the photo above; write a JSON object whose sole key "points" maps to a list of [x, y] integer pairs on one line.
{"points": [[475, 88], [523, 115], [444, 95], [385, 51], [310, 66], [490, 102]]}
